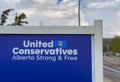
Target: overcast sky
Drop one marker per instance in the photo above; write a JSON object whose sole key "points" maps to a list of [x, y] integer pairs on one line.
{"points": [[64, 13]]}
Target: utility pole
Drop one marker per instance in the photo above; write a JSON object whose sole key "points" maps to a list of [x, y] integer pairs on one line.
{"points": [[79, 12]]}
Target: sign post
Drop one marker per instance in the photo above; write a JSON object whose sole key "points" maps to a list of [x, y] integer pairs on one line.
{"points": [[51, 54]]}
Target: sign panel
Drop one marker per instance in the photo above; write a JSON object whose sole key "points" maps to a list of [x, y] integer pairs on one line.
{"points": [[45, 58]]}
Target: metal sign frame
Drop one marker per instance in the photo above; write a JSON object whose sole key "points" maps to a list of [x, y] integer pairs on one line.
{"points": [[95, 31]]}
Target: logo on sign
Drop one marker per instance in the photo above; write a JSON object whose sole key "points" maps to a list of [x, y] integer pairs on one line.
{"points": [[60, 43]]}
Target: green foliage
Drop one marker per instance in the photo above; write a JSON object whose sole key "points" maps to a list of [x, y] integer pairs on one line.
{"points": [[19, 20], [115, 44], [5, 15]]}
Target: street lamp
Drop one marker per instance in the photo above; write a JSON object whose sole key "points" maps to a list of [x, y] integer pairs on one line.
{"points": [[79, 12]]}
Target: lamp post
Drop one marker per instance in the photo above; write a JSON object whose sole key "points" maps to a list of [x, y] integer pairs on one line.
{"points": [[79, 12]]}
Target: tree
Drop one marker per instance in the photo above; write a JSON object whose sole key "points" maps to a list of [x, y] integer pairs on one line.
{"points": [[5, 15], [115, 44], [19, 20]]}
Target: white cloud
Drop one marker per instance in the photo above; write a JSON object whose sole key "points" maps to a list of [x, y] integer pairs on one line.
{"points": [[117, 0], [45, 2], [45, 9], [28, 12], [52, 14], [13, 1], [115, 33], [118, 13], [49, 13], [11, 4], [106, 4], [42, 1], [108, 11], [66, 1], [115, 30]]}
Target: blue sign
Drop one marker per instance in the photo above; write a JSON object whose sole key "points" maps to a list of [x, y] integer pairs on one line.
{"points": [[45, 58]]}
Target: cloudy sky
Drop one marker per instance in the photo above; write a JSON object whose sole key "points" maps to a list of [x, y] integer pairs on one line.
{"points": [[64, 13]]}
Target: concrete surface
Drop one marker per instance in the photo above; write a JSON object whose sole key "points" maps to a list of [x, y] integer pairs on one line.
{"points": [[107, 79], [110, 79], [112, 73]]}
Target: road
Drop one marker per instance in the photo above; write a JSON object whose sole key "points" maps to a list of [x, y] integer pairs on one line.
{"points": [[111, 69], [110, 72]]}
